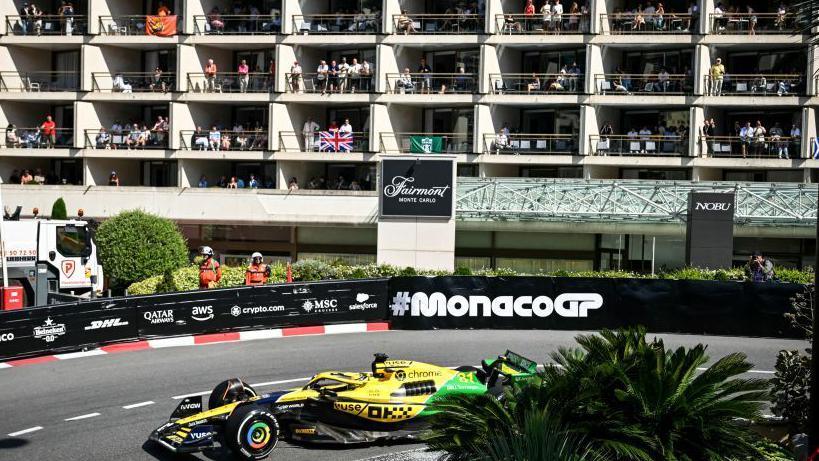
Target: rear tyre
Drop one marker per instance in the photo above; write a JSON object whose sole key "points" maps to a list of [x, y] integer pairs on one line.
{"points": [[229, 391], [251, 432]]}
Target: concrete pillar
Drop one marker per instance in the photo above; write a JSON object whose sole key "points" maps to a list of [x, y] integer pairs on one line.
{"points": [[490, 64], [91, 61], [387, 64], [594, 66], [183, 180], [181, 119], [808, 132], [706, 10], [186, 61], [695, 147], [192, 24], [484, 127], [702, 67], [391, 8], [812, 70], [596, 24], [96, 8], [381, 123], [588, 127], [85, 118], [280, 121], [493, 9], [87, 177], [290, 8], [286, 55]]}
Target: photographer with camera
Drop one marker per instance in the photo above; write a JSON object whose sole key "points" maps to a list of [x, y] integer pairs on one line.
{"points": [[759, 269]]}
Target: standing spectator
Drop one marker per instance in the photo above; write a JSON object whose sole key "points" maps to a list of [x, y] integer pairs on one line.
{"points": [[746, 136], [157, 82], [751, 20], [759, 138], [203, 182], [217, 25], [366, 76], [736, 148], [210, 273], [346, 127], [426, 76], [780, 144], [759, 269], [66, 11], [36, 15], [113, 180], [796, 138], [271, 75], [781, 15], [574, 76], [605, 142], [332, 77], [293, 184], [663, 80], [343, 73], [308, 132], [163, 10], [529, 14], [645, 136], [557, 16], [48, 131], [574, 13], [210, 76], [253, 183], [295, 77], [322, 75], [717, 76], [710, 132], [719, 18], [501, 141], [546, 15], [244, 76], [355, 76], [633, 144], [12, 140]]}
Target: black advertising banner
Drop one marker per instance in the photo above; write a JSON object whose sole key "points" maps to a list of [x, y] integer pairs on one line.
{"points": [[685, 306], [709, 239], [420, 187]]}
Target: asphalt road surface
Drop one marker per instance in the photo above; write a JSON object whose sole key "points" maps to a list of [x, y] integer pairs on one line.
{"points": [[103, 407]]}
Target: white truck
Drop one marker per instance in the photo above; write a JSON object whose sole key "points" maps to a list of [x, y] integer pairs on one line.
{"points": [[51, 259]]}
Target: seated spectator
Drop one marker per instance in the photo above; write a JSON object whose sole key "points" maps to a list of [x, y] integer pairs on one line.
{"points": [[556, 85], [214, 138], [199, 139], [217, 25], [462, 82], [12, 140], [134, 137], [511, 24], [26, 177], [533, 84], [103, 139], [241, 140], [405, 83], [113, 180], [293, 184], [119, 84], [759, 268], [203, 182], [225, 141], [501, 141], [39, 177], [233, 184], [404, 23], [157, 82]]}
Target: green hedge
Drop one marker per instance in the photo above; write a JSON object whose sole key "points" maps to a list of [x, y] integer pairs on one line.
{"points": [[187, 278]]}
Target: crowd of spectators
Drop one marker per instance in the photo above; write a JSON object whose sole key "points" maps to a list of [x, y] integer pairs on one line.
{"points": [[465, 17], [237, 138], [665, 80], [655, 18], [336, 77], [133, 135], [242, 18], [158, 80], [365, 20], [425, 81], [752, 138], [551, 17], [35, 21], [338, 183], [663, 137], [244, 79], [735, 18], [252, 181], [720, 81], [44, 136]]}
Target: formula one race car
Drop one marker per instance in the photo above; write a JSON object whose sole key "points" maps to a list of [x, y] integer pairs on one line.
{"points": [[391, 402]]}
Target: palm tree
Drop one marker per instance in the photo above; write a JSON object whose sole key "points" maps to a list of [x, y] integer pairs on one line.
{"points": [[618, 396]]}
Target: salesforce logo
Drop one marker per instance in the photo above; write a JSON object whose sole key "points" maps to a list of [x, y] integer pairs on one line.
{"points": [[361, 303], [570, 305]]}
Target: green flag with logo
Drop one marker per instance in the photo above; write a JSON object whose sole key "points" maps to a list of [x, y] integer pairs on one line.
{"points": [[426, 144]]}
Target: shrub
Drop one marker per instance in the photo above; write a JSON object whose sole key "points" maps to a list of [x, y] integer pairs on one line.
{"points": [[135, 245], [58, 210]]}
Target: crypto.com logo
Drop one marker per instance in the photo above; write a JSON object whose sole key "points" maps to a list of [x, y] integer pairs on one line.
{"points": [[420, 304]]}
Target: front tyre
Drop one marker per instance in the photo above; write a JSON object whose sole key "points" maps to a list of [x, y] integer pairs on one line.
{"points": [[251, 432]]}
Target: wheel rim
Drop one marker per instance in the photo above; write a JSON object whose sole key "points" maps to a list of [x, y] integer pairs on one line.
{"points": [[258, 435]]}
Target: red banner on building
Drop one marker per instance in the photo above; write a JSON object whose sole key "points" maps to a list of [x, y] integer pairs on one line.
{"points": [[160, 26]]}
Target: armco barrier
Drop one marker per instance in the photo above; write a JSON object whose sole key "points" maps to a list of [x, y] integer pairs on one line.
{"points": [[680, 306], [71, 326]]}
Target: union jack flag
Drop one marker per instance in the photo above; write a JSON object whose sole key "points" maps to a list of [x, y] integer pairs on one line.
{"points": [[335, 141]]}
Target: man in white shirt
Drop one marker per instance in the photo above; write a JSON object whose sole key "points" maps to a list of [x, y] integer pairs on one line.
{"points": [[346, 127], [308, 131], [645, 134], [633, 144], [557, 15], [355, 75], [501, 141], [663, 77], [295, 77], [746, 135], [343, 73], [718, 18], [322, 75], [796, 139]]}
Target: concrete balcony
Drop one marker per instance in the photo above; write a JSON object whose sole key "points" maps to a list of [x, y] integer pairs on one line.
{"points": [[48, 25], [40, 86]]}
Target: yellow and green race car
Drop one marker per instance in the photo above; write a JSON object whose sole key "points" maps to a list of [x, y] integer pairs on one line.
{"points": [[390, 402]]}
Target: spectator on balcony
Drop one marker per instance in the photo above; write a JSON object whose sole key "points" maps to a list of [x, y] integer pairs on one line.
{"points": [[333, 126], [366, 74], [295, 77], [39, 177], [253, 183], [116, 127], [157, 82], [751, 19], [355, 76], [210, 76], [501, 141], [322, 76], [405, 83], [717, 73], [214, 138], [546, 16], [759, 138], [217, 25], [736, 147], [693, 14], [781, 17], [199, 139], [461, 82], [639, 20], [160, 129], [759, 84], [708, 133], [233, 184], [620, 82], [36, 18], [103, 140], [26, 177], [663, 80], [244, 76], [511, 24], [66, 12], [633, 144], [163, 10], [48, 130], [796, 138], [293, 185], [224, 141], [556, 85], [332, 77], [346, 127], [426, 76], [746, 136], [605, 132], [203, 182], [529, 13], [118, 84], [404, 23], [574, 14], [113, 180], [309, 132], [343, 74], [135, 137], [779, 144], [645, 136], [574, 76], [241, 140], [557, 16], [12, 140]]}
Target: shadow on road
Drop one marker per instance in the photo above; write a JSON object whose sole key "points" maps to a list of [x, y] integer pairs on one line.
{"points": [[11, 443]]}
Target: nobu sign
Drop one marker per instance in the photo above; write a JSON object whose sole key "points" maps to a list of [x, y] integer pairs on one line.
{"points": [[416, 188]]}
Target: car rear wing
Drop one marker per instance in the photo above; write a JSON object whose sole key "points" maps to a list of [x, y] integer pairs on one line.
{"points": [[520, 362]]}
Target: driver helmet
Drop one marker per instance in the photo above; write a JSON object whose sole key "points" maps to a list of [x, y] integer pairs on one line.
{"points": [[207, 251], [256, 255]]}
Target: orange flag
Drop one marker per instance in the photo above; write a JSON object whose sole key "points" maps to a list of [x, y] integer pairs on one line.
{"points": [[161, 26]]}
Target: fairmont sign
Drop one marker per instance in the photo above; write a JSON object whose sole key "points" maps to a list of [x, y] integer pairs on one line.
{"points": [[416, 187]]}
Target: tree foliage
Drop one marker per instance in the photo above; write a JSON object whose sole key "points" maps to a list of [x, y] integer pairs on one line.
{"points": [[58, 209], [135, 245]]}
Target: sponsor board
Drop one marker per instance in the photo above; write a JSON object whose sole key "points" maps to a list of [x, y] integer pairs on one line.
{"points": [[107, 323], [318, 306], [49, 331], [361, 303], [438, 304], [159, 317], [202, 313], [4, 337], [419, 187], [237, 311]]}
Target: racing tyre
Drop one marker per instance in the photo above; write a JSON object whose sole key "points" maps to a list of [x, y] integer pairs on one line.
{"points": [[480, 374], [251, 432], [229, 391]]}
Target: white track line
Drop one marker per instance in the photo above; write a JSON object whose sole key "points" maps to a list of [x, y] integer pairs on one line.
{"points": [[77, 418], [137, 405], [76, 355], [4, 365], [273, 383], [26, 431], [180, 397]]}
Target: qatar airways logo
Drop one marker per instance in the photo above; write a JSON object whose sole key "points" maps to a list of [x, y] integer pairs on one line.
{"points": [[402, 187], [570, 305], [713, 206]]}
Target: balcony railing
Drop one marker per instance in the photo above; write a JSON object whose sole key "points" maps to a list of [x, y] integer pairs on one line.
{"points": [[291, 141], [643, 84], [750, 147], [126, 139], [641, 145], [536, 83], [755, 85], [230, 82], [133, 82], [438, 24], [566, 23], [224, 140], [337, 24], [426, 143], [634, 23], [129, 25], [311, 83], [34, 138], [234, 24], [753, 23], [530, 144], [416, 83], [50, 24], [39, 81]]}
